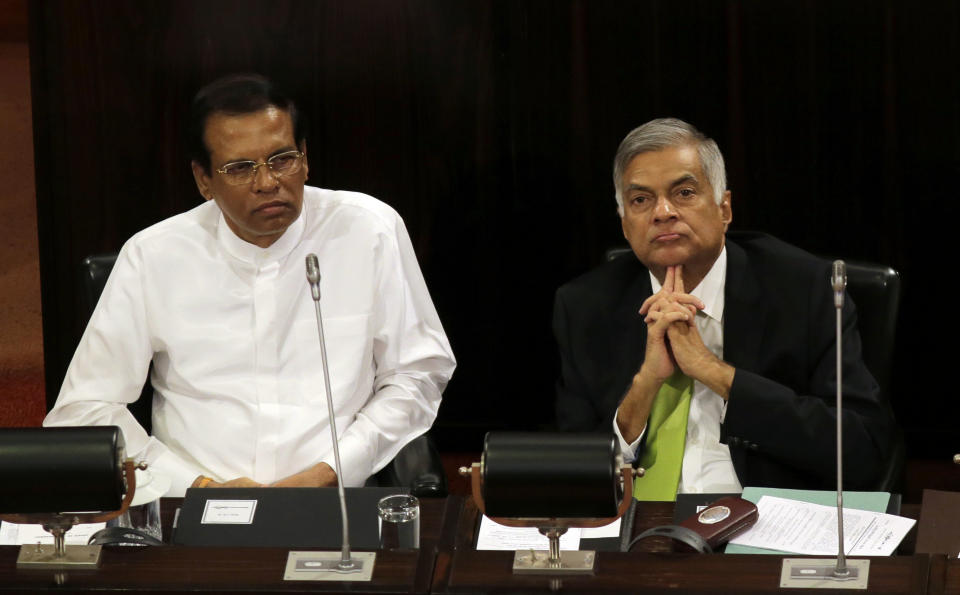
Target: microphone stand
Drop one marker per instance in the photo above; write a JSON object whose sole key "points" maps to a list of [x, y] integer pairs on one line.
{"points": [[823, 574], [321, 565], [839, 282]]}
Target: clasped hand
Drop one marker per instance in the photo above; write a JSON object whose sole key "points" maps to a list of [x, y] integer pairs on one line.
{"points": [[672, 341], [672, 337]]}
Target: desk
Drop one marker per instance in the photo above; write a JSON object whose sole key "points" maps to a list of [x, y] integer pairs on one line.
{"points": [[176, 569], [447, 564], [650, 567]]}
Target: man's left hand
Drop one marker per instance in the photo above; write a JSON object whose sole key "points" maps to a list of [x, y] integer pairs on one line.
{"points": [[695, 360], [320, 475]]}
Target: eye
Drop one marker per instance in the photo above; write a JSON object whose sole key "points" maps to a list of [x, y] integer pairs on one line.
{"points": [[687, 193], [238, 169], [283, 162]]}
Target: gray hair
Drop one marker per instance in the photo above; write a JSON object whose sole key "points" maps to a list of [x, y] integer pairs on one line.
{"points": [[664, 133]]}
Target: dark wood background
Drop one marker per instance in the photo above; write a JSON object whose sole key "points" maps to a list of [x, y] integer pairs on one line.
{"points": [[491, 126]]}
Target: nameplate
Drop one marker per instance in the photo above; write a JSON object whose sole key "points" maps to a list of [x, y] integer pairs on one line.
{"points": [[228, 512]]}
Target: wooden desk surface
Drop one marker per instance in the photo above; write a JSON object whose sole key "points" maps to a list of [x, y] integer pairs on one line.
{"points": [[177, 569], [447, 563], [652, 566]]}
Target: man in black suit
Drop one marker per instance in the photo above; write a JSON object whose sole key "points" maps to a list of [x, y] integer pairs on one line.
{"points": [[747, 318]]}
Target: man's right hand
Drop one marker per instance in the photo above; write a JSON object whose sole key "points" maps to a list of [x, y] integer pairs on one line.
{"points": [[660, 311], [240, 482]]}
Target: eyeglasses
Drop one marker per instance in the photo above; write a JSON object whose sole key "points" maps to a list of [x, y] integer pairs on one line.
{"points": [[242, 172]]}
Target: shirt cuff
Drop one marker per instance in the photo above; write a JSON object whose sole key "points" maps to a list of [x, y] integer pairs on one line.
{"points": [[355, 458], [628, 449], [180, 473]]}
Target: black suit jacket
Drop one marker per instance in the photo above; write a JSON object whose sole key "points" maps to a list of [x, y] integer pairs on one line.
{"points": [[779, 333]]}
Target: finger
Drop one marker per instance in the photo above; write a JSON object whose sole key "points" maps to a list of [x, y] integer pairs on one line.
{"points": [[678, 279], [688, 300], [670, 316], [647, 303], [688, 310], [668, 279]]}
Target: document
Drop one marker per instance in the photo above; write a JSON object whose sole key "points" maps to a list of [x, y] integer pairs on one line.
{"points": [[16, 534], [494, 536], [811, 529], [603, 531]]}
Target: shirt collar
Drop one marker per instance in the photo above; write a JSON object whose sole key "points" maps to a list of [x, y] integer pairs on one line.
{"points": [[710, 290], [250, 253]]}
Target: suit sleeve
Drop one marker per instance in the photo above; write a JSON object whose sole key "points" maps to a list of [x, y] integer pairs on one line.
{"points": [[771, 423], [574, 409]]}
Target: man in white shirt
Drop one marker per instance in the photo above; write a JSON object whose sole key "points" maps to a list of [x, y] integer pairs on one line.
{"points": [[744, 316], [217, 299]]}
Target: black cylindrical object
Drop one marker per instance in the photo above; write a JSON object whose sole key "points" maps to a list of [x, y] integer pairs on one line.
{"points": [[61, 469], [537, 475]]}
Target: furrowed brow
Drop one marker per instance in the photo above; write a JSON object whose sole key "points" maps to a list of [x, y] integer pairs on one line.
{"points": [[638, 188]]}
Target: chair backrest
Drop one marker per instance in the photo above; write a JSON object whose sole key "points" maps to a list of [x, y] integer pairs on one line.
{"points": [[876, 291], [96, 269]]}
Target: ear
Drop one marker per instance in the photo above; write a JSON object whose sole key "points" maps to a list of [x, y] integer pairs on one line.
{"points": [[202, 179], [726, 213], [306, 166]]}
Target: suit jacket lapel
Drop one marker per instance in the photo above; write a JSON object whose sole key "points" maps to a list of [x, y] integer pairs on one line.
{"points": [[744, 312]]}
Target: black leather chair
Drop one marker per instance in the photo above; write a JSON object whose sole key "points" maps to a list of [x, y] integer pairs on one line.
{"points": [[876, 291], [417, 466]]}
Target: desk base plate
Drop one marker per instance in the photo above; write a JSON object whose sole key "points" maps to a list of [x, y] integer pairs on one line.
{"points": [[322, 566], [817, 573], [538, 562], [45, 557]]}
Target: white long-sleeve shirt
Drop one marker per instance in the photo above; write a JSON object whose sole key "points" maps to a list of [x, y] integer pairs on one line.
{"points": [[232, 333]]}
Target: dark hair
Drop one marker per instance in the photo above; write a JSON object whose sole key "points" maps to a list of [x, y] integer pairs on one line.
{"points": [[235, 94]]}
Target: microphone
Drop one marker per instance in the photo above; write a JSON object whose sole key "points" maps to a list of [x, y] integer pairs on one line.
{"points": [[313, 276], [838, 280], [363, 562]]}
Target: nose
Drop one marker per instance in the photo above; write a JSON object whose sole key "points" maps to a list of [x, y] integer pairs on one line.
{"points": [[264, 180], [663, 210]]}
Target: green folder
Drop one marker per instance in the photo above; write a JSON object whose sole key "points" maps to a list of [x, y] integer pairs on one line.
{"points": [[872, 501]]}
